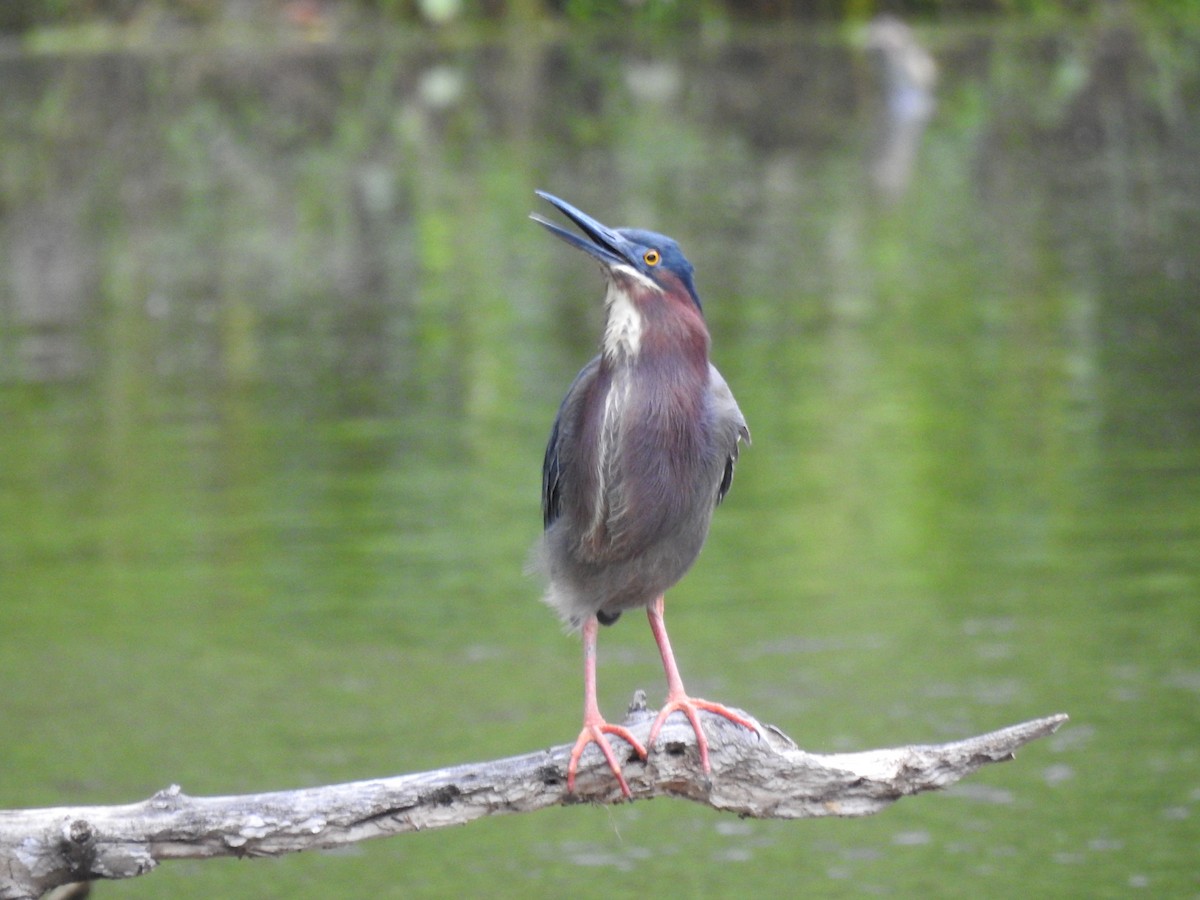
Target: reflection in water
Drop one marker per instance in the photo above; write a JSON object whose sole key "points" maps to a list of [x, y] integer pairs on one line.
{"points": [[907, 75], [53, 281]]}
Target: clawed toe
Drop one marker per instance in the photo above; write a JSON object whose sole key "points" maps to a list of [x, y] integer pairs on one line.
{"points": [[594, 733], [692, 708]]}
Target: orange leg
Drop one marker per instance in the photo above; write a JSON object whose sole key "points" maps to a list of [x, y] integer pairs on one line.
{"points": [[594, 727], [677, 698]]}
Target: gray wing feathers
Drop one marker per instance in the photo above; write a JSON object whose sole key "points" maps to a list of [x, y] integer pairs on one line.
{"points": [[729, 421]]}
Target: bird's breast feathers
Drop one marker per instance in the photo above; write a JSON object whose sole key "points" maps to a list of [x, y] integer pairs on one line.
{"points": [[651, 451], [608, 503]]}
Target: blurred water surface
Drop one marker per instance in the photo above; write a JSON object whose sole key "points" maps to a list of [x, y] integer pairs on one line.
{"points": [[279, 351]]}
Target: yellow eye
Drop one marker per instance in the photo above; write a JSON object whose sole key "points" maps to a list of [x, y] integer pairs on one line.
{"points": [[651, 257]]}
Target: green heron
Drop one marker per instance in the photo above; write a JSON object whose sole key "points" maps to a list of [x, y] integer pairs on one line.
{"points": [[640, 454]]}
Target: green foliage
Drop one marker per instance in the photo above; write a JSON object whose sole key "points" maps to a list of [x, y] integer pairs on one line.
{"points": [[87, 18]]}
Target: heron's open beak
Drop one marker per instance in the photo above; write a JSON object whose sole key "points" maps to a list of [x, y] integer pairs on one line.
{"points": [[605, 245]]}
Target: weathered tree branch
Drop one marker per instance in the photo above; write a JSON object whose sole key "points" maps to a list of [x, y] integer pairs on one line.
{"points": [[761, 776]]}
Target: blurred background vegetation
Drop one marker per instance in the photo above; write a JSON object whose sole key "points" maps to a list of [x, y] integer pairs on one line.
{"points": [[18, 16]]}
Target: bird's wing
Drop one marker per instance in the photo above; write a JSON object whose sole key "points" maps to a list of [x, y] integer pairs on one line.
{"points": [[729, 421], [552, 465]]}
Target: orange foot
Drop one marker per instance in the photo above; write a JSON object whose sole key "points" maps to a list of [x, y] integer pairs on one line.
{"points": [[593, 732], [691, 708]]}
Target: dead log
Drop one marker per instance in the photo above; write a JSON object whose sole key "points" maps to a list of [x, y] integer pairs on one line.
{"points": [[762, 775]]}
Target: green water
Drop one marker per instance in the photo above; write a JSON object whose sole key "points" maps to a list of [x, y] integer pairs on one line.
{"points": [[279, 351]]}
